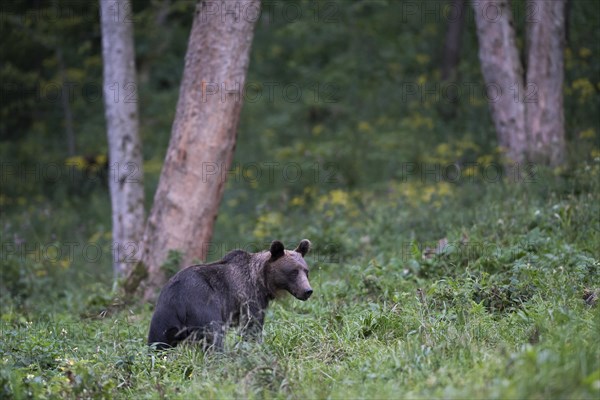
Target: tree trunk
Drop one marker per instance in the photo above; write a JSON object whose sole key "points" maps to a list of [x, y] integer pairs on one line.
{"points": [[64, 96], [545, 73], [503, 74], [65, 102], [451, 54], [568, 6], [202, 139], [125, 150]]}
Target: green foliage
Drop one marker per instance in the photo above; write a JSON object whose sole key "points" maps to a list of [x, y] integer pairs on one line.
{"points": [[172, 264]]}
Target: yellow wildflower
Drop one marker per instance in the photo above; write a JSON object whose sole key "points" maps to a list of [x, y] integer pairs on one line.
{"points": [[317, 129], [587, 134], [423, 58], [584, 52]]}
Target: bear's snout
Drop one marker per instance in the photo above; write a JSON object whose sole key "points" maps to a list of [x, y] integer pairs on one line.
{"points": [[306, 294]]}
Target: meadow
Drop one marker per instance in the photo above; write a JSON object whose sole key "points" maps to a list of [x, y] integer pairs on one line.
{"points": [[503, 307]]}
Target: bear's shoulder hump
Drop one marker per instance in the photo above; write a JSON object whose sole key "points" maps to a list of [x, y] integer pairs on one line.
{"points": [[236, 255]]}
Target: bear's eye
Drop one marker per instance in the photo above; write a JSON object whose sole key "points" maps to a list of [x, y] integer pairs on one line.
{"points": [[294, 273]]}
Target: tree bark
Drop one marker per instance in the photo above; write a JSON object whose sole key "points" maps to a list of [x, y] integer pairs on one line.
{"points": [[65, 102], [125, 150], [529, 119], [545, 74], [503, 75], [202, 139], [64, 97], [451, 54]]}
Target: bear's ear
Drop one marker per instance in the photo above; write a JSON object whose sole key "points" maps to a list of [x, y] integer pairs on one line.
{"points": [[303, 247], [277, 250]]}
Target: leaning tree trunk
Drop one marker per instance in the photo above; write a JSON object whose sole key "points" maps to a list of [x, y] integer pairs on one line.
{"points": [[124, 147], [545, 73], [202, 139], [503, 74]]}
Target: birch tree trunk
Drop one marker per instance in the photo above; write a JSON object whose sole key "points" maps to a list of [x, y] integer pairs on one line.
{"points": [[125, 151], [503, 74], [202, 141], [545, 75]]}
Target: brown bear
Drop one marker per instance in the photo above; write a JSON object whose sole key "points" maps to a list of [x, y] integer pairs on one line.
{"points": [[201, 301]]}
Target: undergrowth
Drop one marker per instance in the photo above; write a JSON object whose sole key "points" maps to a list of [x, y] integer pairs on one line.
{"points": [[435, 300]]}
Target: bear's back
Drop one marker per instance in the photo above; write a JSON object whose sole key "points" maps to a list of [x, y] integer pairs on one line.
{"points": [[238, 257]]}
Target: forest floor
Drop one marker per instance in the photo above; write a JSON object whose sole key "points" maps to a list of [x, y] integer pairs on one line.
{"points": [[505, 306]]}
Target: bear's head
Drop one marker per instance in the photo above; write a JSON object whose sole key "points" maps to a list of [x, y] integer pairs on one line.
{"points": [[287, 270]]}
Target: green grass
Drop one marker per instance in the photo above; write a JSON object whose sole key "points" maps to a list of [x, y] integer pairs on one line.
{"points": [[323, 349], [499, 315]]}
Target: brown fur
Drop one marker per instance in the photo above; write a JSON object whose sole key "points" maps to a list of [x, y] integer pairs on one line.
{"points": [[201, 301]]}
